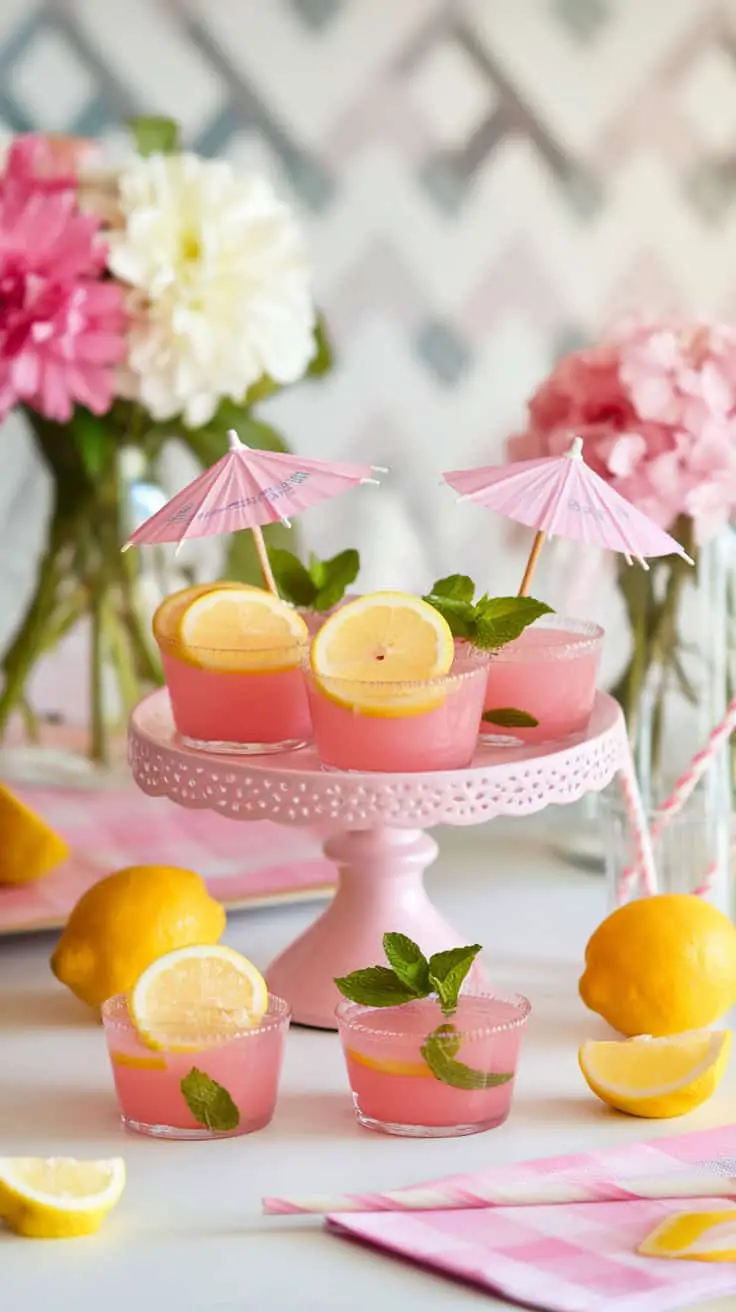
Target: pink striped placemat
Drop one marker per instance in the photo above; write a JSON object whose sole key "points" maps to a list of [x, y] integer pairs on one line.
{"points": [[566, 1257], [245, 864]]}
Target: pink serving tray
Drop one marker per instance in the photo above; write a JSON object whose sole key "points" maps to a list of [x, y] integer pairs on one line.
{"points": [[252, 864]]}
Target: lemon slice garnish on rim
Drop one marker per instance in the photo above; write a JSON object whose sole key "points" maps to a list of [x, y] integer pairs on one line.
{"points": [[58, 1197], [172, 607], [392, 639], [240, 629], [657, 1077], [196, 996]]}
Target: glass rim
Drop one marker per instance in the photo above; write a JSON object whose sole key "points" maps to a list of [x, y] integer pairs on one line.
{"points": [[706, 812], [116, 1014], [295, 648], [346, 1010], [583, 634], [472, 669]]}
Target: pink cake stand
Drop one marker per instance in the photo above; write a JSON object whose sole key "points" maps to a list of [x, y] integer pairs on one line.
{"points": [[376, 826]]}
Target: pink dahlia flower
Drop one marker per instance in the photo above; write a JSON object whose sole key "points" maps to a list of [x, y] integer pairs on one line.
{"points": [[656, 407], [61, 322]]}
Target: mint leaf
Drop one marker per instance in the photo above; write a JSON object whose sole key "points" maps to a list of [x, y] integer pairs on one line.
{"points": [[334, 578], [457, 587], [447, 970], [317, 571], [323, 358], [292, 578], [409, 963], [501, 619], [438, 1051], [209, 1103], [154, 135], [376, 986], [460, 615], [510, 718]]}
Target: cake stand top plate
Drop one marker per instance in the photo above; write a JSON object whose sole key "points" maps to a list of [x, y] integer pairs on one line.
{"points": [[292, 788]]}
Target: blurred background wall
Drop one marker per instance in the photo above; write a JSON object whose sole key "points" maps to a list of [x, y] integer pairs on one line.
{"points": [[484, 183]]}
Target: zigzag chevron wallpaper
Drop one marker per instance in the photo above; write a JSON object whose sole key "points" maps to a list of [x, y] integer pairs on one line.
{"points": [[484, 183]]}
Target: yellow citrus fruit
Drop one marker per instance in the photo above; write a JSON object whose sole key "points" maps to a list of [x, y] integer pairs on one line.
{"points": [[385, 638], [136, 1063], [166, 617], [657, 1077], [694, 1236], [415, 1069], [661, 965], [240, 629], [194, 994], [58, 1197], [29, 849], [123, 923]]}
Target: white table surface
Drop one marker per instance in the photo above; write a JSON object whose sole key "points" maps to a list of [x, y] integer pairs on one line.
{"points": [[188, 1234]]}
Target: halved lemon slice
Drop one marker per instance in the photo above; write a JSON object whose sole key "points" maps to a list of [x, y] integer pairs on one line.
{"points": [[195, 996], [241, 629], [58, 1197], [657, 1077], [167, 615], [413, 1069], [385, 638], [697, 1236]]}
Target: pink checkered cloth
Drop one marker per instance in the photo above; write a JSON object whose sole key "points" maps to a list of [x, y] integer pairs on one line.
{"points": [[567, 1257]]}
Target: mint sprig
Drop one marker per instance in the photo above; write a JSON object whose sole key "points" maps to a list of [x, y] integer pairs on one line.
{"points": [[439, 1050], [210, 1104], [319, 585], [510, 717], [489, 622]]}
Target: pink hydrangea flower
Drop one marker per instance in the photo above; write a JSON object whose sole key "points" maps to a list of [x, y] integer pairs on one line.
{"points": [[656, 407], [61, 322]]}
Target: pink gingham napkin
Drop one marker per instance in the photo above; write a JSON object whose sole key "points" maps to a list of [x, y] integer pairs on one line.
{"points": [[567, 1257]]}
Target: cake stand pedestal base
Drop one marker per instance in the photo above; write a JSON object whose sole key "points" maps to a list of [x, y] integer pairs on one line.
{"points": [[380, 888]]}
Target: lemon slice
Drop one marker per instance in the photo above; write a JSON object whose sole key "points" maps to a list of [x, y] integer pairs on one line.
{"points": [[241, 629], [195, 996], [697, 1236], [390, 638], [29, 849], [58, 1197], [657, 1077], [167, 615], [136, 1063], [413, 1069]]}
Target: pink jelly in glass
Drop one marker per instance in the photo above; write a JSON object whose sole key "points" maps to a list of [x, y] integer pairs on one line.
{"points": [[394, 1090], [550, 671], [149, 1082], [427, 725]]}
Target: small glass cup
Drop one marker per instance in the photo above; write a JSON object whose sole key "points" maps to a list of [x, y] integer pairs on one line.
{"points": [[396, 1092], [164, 1093], [550, 671], [430, 724], [247, 710]]}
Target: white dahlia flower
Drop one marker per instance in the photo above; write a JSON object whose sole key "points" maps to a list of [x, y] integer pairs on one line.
{"points": [[219, 285]]}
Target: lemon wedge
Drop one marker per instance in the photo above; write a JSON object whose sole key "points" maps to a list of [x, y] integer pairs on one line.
{"points": [[58, 1197], [697, 1236], [197, 995], [385, 638], [657, 1077], [413, 1069], [240, 629], [30, 849]]}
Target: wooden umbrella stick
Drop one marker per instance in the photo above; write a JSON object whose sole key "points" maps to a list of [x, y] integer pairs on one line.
{"points": [[531, 564], [264, 561]]}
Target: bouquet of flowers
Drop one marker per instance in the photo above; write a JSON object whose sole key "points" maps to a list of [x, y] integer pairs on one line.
{"points": [[655, 404], [167, 298]]}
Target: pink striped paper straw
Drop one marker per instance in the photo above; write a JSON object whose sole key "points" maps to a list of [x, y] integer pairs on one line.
{"points": [[644, 863], [706, 884]]}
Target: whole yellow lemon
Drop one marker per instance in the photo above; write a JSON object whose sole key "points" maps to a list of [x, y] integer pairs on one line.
{"points": [[128, 920], [661, 965]]}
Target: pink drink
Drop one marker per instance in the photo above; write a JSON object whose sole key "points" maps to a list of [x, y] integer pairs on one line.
{"points": [[237, 710], [393, 1088], [550, 672], [420, 726], [149, 1083]]}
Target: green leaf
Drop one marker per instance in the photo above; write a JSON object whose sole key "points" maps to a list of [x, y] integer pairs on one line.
{"points": [[323, 359], [510, 718], [447, 971], [334, 578], [294, 581], [409, 963], [459, 587], [501, 619], [209, 1103], [154, 135], [460, 615], [376, 986], [317, 570], [438, 1051], [93, 440]]}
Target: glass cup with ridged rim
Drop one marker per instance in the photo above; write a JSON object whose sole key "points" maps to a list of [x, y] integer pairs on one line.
{"points": [[550, 671], [258, 708], [407, 727], [166, 1093], [395, 1091]]}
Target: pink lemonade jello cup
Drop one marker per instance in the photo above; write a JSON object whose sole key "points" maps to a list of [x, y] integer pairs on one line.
{"points": [[164, 1093], [406, 727], [550, 671], [394, 1088]]}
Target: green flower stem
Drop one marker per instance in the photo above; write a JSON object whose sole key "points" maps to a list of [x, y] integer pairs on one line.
{"points": [[118, 647], [29, 641]]}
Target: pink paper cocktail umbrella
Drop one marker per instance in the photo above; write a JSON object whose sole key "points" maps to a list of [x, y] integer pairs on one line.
{"points": [[561, 496], [245, 489]]}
